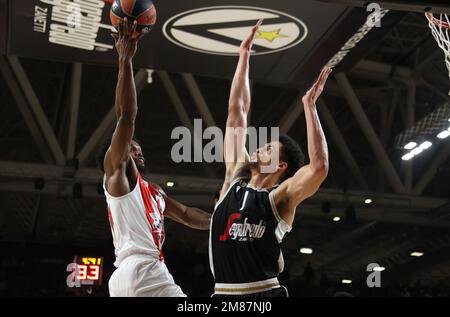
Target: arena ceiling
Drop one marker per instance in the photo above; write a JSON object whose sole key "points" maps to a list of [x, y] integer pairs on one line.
{"points": [[56, 110]]}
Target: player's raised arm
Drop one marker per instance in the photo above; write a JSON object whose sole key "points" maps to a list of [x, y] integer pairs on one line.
{"points": [[308, 179], [126, 99], [238, 108]]}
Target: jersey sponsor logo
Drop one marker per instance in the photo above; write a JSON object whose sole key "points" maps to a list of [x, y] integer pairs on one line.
{"points": [[242, 231], [230, 221], [219, 30]]}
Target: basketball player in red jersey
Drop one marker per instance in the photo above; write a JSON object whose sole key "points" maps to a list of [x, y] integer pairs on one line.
{"points": [[137, 208], [256, 207]]}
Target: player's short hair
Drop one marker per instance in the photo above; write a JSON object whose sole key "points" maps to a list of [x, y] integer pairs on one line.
{"points": [[292, 154]]}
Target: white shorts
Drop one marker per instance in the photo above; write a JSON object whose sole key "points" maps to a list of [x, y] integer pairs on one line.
{"points": [[143, 276]]}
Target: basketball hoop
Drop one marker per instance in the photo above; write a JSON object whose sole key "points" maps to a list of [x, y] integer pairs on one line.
{"points": [[440, 28]]}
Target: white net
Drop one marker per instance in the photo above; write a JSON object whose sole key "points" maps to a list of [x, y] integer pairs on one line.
{"points": [[440, 25]]}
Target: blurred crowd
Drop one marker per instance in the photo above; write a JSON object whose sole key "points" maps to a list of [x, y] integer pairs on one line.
{"points": [[35, 276]]}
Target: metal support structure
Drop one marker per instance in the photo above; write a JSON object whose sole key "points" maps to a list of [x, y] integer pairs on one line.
{"points": [[106, 126], [176, 100], [103, 130], [432, 169], [391, 115], [61, 115], [37, 110], [25, 111], [385, 129], [291, 115], [441, 94], [21, 176], [35, 220], [199, 100], [338, 138], [74, 105], [410, 114], [182, 114], [383, 139], [437, 53], [370, 133], [381, 71]]}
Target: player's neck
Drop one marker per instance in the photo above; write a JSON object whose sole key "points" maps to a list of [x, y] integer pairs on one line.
{"points": [[260, 180]]}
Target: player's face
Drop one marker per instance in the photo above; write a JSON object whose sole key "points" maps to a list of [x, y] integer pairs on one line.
{"points": [[268, 155], [137, 156]]}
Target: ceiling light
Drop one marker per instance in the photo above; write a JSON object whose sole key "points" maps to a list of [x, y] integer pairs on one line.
{"points": [[416, 151], [345, 281], [410, 146], [443, 134], [306, 251], [407, 157], [426, 145]]}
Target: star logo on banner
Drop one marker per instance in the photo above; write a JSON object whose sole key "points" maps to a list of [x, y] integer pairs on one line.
{"points": [[270, 36]]}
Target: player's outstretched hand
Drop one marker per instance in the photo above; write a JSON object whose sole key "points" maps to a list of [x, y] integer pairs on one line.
{"points": [[126, 43], [311, 96]]}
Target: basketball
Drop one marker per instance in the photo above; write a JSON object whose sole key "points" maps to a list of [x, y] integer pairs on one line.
{"points": [[143, 11]]}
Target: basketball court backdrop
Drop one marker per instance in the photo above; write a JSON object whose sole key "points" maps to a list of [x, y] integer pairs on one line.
{"points": [[195, 32], [385, 112]]}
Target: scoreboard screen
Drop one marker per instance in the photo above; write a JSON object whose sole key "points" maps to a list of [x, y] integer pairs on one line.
{"points": [[88, 270]]}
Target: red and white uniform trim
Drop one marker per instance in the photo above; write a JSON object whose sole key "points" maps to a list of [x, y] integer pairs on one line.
{"points": [[137, 221]]}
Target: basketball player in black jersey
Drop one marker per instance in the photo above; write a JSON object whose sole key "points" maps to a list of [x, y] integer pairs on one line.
{"points": [[256, 209]]}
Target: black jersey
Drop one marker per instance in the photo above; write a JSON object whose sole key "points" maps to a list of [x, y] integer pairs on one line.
{"points": [[246, 231]]}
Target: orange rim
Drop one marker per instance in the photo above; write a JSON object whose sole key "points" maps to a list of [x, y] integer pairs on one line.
{"points": [[436, 21]]}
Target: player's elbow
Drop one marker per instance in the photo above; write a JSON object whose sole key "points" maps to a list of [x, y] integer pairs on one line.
{"points": [[320, 170], [127, 119], [236, 106]]}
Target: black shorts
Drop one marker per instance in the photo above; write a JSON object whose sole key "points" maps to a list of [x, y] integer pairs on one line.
{"points": [[276, 292]]}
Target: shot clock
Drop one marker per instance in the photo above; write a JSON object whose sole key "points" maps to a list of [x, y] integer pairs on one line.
{"points": [[87, 271]]}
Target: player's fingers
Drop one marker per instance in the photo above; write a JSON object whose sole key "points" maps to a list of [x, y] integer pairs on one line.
{"points": [[126, 28], [324, 77], [133, 27], [255, 29], [115, 36], [320, 82], [120, 28]]}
